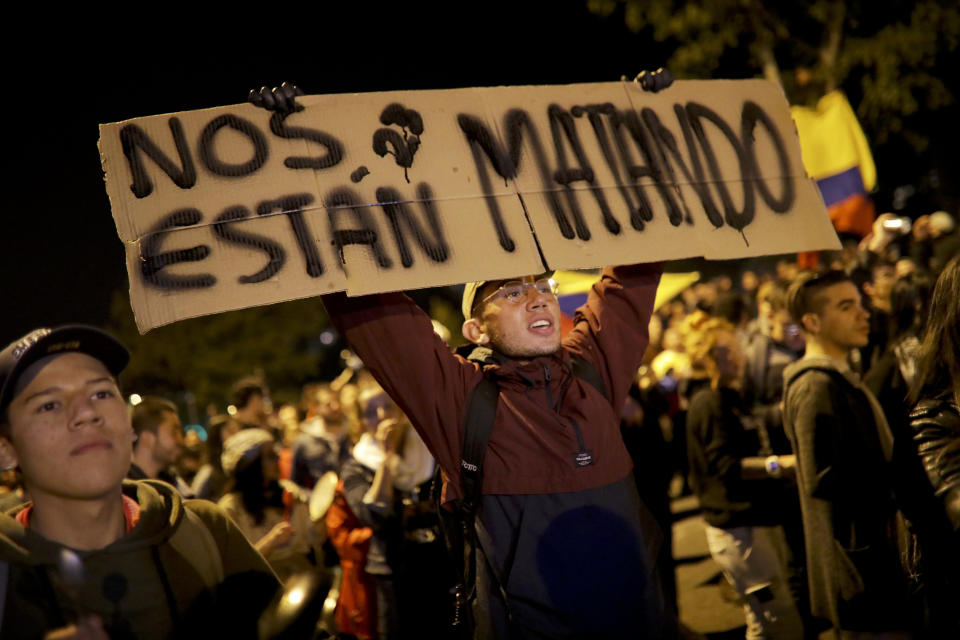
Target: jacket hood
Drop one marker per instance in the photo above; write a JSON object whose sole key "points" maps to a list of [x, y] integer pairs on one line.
{"points": [[534, 373], [161, 509]]}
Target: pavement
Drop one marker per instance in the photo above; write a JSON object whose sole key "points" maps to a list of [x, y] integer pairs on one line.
{"points": [[707, 604]]}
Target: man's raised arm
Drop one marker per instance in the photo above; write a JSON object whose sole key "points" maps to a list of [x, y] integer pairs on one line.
{"points": [[611, 329], [396, 341]]}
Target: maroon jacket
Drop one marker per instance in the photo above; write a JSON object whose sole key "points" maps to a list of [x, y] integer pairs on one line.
{"points": [[542, 405]]}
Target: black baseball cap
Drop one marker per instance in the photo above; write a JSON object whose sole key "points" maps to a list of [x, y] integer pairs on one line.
{"points": [[40, 343]]}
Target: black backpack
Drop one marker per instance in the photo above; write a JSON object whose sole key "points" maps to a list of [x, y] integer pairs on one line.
{"points": [[458, 524]]}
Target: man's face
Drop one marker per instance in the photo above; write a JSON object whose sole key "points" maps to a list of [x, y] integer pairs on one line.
{"points": [[169, 444], [843, 322], [523, 329], [729, 356], [785, 331], [883, 278], [258, 406], [328, 405], [70, 429]]}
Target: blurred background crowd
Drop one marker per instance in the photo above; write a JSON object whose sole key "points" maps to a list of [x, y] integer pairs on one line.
{"points": [[330, 478]]}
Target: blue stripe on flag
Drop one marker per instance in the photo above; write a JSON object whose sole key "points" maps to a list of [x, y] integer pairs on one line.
{"points": [[841, 186], [571, 302]]}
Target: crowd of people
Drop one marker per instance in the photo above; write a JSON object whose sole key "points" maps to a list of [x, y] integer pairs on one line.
{"points": [[814, 414]]}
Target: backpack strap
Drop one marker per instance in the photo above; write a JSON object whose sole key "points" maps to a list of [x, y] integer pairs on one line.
{"points": [[194, 542], [478, 423]]}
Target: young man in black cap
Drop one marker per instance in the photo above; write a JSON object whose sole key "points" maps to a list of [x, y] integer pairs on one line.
{"points": [[93, 555]]}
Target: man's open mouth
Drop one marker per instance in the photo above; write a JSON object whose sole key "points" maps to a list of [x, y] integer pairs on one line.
{"points": [[540, 326]]}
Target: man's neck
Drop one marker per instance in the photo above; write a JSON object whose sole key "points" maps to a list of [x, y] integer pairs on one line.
{"points": [[144, 459], [334, 427], [79, 524], [817, 348]]}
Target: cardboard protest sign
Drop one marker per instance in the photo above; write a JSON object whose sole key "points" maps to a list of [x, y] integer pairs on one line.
{"points": [[234, 207]]}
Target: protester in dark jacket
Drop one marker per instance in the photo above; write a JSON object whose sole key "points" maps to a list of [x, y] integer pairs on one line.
{"points": [[91, 554], [891, 376], [935, 424], [381, 485], [284, 535], [741, 493], [844, 450], [580, 557], [566, 546]]}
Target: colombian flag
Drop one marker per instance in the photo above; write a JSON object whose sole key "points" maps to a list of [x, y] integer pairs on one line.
{"points": [[836, 154], [575, 285]]}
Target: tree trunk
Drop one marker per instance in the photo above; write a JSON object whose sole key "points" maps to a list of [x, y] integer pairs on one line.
{"points": [[830, 50], [762, 47], [768, 62]]}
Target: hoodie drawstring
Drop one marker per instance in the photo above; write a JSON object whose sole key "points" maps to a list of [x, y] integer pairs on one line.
{"points": [[167, 590], [60, 620]]}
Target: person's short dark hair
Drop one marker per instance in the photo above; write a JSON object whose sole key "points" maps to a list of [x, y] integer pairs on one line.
{"points": [[732, 307], [909, 299], [246, 388], [860, 275], [881, 263], [215, 437], [150, 414], [804, 297]]}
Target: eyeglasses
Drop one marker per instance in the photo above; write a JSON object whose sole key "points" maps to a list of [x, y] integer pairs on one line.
{"points": [[516, 291]]}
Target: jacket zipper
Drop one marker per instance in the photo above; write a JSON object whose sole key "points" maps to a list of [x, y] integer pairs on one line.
{"points": [[546, 375], [573, 423]]}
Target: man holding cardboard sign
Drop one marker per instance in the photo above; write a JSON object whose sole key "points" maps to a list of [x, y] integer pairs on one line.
{"points": [[565, 546]]}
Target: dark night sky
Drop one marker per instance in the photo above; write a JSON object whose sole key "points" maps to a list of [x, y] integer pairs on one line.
{"points": [[60, 257]]}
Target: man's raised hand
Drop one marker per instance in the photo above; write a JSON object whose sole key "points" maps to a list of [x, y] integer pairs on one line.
{"points": [[281, 99], [654, 81]]}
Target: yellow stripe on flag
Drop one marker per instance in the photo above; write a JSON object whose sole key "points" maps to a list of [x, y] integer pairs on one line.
{"points": [[831, 140], [671, 284]]}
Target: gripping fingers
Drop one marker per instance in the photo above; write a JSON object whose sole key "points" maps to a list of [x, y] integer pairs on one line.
{"points": [[263, 98], [281, 99], [289, 91], [654, 81]]}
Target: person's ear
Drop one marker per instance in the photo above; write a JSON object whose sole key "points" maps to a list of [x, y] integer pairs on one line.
{"points": [[8, 455], [146, 439], [475, 331], [811, 323]]}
